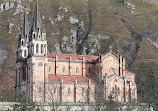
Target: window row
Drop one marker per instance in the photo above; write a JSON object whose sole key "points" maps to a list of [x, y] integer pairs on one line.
{"points": [[41, 48], [116, 90], [63, 69], [83, 91], [39, 36]]}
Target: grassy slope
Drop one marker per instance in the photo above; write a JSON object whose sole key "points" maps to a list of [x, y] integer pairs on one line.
{"points": [[108, 17], [145, 67]]}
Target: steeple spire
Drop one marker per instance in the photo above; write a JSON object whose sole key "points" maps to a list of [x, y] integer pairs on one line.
{"points": [[25, 27], [37, 17]]}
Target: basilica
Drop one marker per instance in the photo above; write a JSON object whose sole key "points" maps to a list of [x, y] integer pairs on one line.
{"points": [[66, 77]]}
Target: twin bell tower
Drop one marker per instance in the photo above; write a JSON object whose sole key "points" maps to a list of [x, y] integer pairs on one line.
{"points": [[32, 40]]}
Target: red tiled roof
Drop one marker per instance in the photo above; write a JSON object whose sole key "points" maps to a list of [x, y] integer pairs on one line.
{"points": [[69, 78], [75, 57]]}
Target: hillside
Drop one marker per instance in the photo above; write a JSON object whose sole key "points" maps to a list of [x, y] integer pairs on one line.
{"points": [[88, 27]]}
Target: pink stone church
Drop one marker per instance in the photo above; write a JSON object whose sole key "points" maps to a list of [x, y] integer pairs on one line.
{"points": [[66, 77]]}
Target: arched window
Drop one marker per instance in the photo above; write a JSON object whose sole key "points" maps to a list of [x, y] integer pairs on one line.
{"points": [[25, 53], [49, 68], [45, 48], [34, 36], [63, 69], [37, 48], [39, 36], [41, 48], [39, 90], [115, 89], [22, 42], [68, 92], [76, 70], [23, 73], [82, 91], [118, 91], [89, 70], [26, 37]]}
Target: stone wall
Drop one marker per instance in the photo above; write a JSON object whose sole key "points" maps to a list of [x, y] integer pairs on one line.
{"points": [[78, 106]]}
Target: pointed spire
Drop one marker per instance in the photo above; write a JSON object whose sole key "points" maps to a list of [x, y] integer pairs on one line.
{"points": [[37, 1], [22, 32], [24, 29], [37, 17], [34, 27], [19, 40], [25, 25], [43, 30]]}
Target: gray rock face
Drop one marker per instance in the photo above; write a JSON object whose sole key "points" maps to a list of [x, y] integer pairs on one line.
{"points": [[63, 9], [57, 47], [19, 8], [153, 43], [73, 20], [151, 35], [69, 43], [59, 18], [3, 55], [94, 43], [10, 27]]}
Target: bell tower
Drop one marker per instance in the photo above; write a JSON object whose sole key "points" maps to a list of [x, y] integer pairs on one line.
{"points": [[37, 45], [22, 51], [22, 54]]}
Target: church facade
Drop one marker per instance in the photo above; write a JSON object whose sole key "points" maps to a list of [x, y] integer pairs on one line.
{"points": [[54, 77]]}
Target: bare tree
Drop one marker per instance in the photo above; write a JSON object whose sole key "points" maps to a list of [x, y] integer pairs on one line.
{"points": [[24, 103]]}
